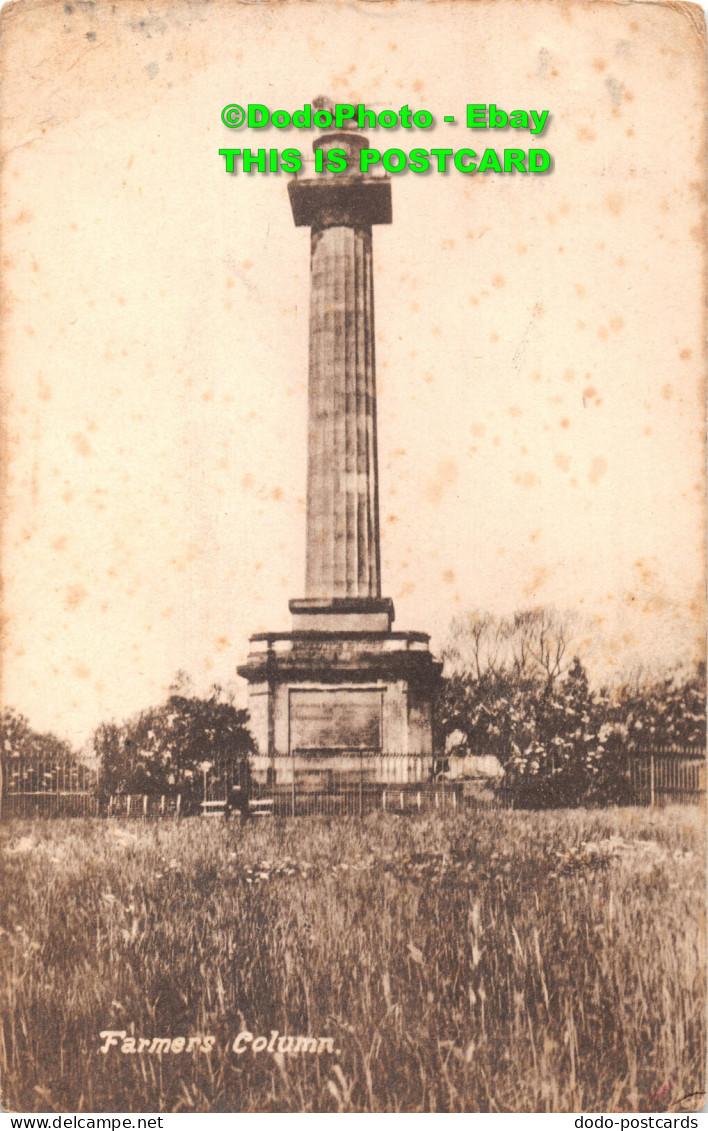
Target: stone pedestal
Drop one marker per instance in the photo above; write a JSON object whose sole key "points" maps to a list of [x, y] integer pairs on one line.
{"points": [[341, 687], [325, 700]]}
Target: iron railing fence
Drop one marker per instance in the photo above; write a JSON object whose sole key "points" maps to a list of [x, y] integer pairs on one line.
{"points": [[666, 775], [347, 798], [37, 787], [305, 786]]}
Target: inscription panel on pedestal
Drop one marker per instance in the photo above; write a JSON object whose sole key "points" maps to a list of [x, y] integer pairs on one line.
{"points": [[335, 719]]}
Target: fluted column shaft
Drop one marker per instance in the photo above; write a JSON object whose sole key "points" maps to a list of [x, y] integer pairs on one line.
{"points": [[343, 557]]}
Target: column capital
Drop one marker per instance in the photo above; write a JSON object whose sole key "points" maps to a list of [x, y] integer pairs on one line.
{"points": [[327, 202]]}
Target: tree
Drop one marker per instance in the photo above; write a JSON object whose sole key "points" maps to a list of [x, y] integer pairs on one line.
{"points": [[666, 711], [531, 645], [511, 689], [557, 766], [36, 762], [497, 672], [165, 749], [19, 740]]}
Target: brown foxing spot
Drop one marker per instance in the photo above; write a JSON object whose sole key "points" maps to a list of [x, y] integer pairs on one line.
{"points": [[685, 354], [614, 203], [81, 444], [598, 468], [585, 134], [448, 576], [75, 594], [498, 281], [617, 324], [478, 429], [540, 576], [667, 391], [446, 474], [562, 461]]}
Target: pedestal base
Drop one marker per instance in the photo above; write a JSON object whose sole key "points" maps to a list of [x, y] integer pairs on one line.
{"points": [[326, 704], [342, 614]]}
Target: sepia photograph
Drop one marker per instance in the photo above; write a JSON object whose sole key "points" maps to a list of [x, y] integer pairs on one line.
{"points": [[353, 544]]}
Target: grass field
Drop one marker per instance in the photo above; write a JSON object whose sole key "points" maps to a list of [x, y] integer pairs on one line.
{"points": [[497, 961]]}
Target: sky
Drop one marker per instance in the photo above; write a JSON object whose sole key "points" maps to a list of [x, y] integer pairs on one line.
{"points": [[540, 339]]}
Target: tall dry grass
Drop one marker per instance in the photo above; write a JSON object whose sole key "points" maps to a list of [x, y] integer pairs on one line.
{"points": [[481, 962]]}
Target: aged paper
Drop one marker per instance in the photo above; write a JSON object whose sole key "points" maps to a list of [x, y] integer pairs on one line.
{"points": [[540, 369]]}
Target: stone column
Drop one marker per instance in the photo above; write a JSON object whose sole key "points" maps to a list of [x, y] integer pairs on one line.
{"points": [[342, 685], [343, 570], [343, 557]]}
